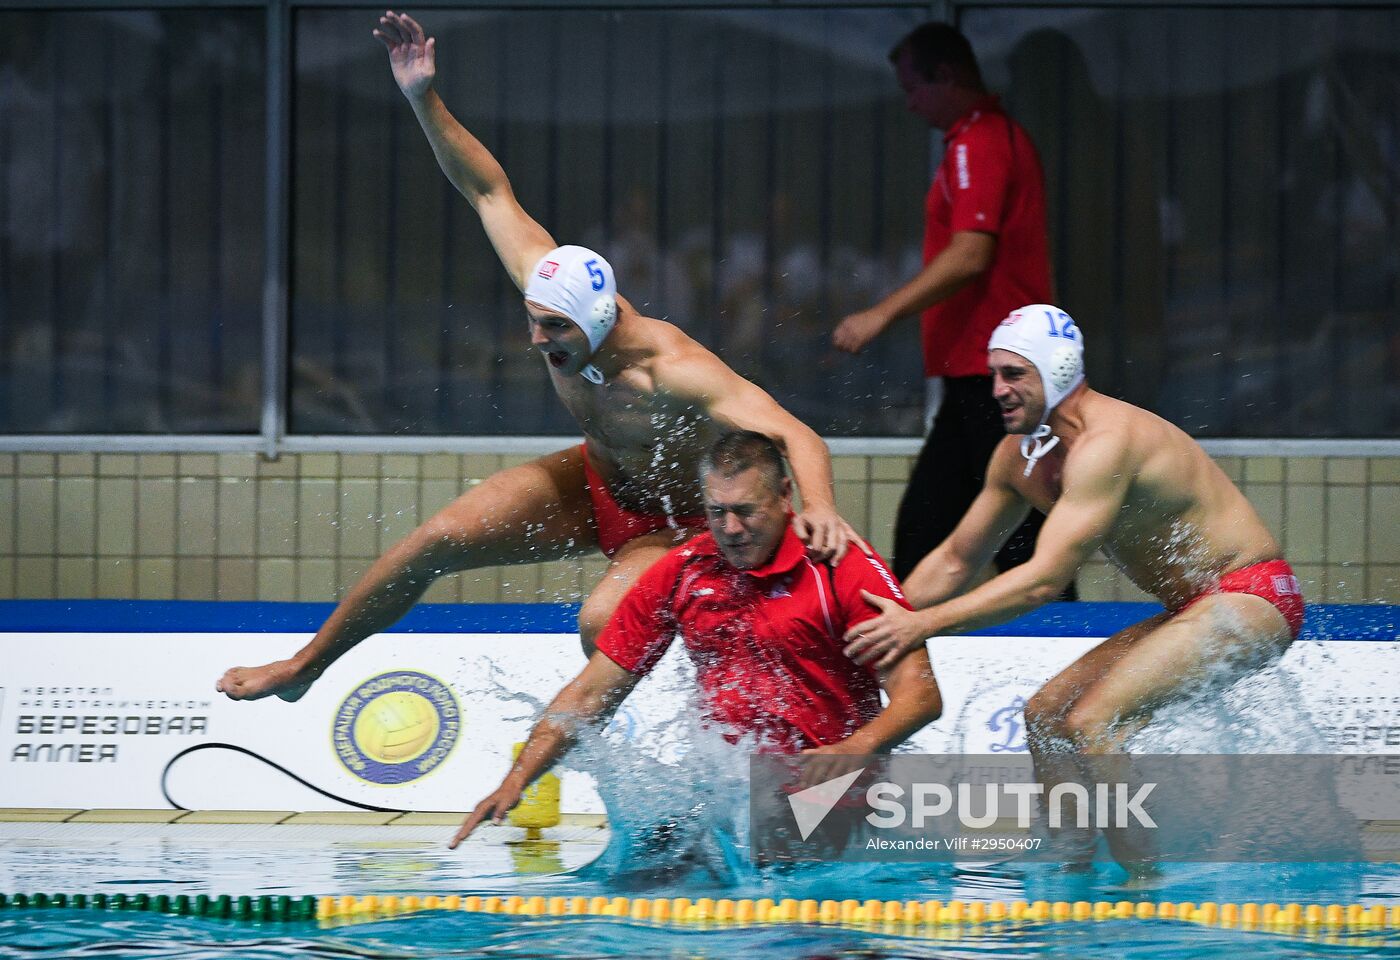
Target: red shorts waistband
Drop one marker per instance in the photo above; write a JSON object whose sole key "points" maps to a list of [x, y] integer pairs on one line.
{"points": [[1273, 580], [615, 525]]}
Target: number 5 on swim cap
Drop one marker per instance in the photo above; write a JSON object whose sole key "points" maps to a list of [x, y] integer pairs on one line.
{"points": [[578, 283]]}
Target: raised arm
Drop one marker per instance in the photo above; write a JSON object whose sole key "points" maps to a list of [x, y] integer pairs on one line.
{"points": [[733, 403], [518, 239], [590, 698], [1096, 482], [947, 569]]}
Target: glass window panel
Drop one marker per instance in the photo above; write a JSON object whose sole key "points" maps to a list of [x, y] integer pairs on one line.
{"points": [[131, 220], [751, 175], [1223, 204]]}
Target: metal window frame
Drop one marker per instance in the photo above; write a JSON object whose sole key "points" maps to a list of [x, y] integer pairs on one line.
{"points": [[272, 439]]}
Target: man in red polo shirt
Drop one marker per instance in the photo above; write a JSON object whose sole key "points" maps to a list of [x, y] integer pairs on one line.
{"points": [[763, 624], [985, 255]]}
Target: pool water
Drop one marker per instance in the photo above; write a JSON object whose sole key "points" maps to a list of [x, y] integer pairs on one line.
{"points": [[240, 860]]}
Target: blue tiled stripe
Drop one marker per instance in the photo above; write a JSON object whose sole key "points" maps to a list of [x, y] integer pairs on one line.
{"points": [[1324, 622]]}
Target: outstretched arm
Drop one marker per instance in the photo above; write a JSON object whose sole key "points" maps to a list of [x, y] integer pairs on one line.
{"points": [[518, 239], [733, 403], [590, 698], [947, 569], [1096, 482]]}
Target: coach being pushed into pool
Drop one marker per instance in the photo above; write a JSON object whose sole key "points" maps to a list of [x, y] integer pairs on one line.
{"points": [[763, 624]]}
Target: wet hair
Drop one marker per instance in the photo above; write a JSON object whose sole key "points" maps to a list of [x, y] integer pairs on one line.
{"points": [[740, 450], [935, 44]]}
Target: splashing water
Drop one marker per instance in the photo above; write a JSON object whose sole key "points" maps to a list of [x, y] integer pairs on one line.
{"points": [[1261, 713]]}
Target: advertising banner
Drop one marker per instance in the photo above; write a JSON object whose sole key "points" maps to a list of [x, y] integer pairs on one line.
{"points": [[426, 722]]}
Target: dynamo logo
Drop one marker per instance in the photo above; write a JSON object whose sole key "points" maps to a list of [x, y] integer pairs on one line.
{"points": [[396, 727], [992, 719]]}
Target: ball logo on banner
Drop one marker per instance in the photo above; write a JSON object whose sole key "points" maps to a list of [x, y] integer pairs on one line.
{"points": [[396, 727]]}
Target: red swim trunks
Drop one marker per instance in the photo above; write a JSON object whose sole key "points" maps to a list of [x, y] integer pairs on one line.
{"points": [[1273, 580], [616, 526]]}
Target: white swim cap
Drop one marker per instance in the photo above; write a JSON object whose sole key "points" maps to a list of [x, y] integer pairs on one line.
{"points": [[1050, 339], [578, 283]]}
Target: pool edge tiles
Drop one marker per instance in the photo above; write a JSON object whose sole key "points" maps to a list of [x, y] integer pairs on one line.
{"points": [[583, 821], [18, 826], [37, 814]]}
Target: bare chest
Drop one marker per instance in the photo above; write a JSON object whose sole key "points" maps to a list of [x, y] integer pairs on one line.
{"points": [[1042, 489], [628, 412], [639, 438]]}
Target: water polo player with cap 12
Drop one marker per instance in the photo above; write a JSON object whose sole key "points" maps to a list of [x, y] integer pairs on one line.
{"points": [[1112, 477], [648, 399]]}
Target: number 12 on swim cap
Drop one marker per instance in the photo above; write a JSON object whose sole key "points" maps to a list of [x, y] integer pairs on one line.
{"points": [[1067, 331]]}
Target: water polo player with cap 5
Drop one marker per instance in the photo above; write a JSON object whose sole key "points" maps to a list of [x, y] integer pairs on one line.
{"points": [[1112, 477], [578, 284], [648, 399]]}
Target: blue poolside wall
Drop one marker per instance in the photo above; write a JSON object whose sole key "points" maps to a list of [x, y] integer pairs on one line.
{"points": [[1324, 621]]}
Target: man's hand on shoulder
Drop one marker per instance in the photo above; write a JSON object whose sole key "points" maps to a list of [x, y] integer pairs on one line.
{"points": [[882, 640], [826, 534]]}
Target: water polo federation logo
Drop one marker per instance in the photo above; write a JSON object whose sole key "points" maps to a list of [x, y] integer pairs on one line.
{"points": [[396, 727]]}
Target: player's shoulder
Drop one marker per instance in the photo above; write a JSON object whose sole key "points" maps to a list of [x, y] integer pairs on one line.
{"points": [[683, 366], [1113, 444], [863, 561], [1116, 425]]}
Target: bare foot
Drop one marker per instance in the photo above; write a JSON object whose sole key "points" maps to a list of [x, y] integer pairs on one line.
{"points": [[281, 677]]}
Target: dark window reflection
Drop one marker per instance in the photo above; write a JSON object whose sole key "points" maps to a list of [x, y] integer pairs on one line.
{"points": [[131, 220], [1224, 189], [1225, 205]]}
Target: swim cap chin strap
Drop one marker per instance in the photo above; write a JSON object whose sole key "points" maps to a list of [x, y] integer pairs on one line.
{"points": [[1050, 339], [1032, 448], [578, 283]]}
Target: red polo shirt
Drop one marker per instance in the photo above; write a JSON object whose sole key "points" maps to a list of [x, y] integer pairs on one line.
{"points": [[990, 180], [766, 642]]}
